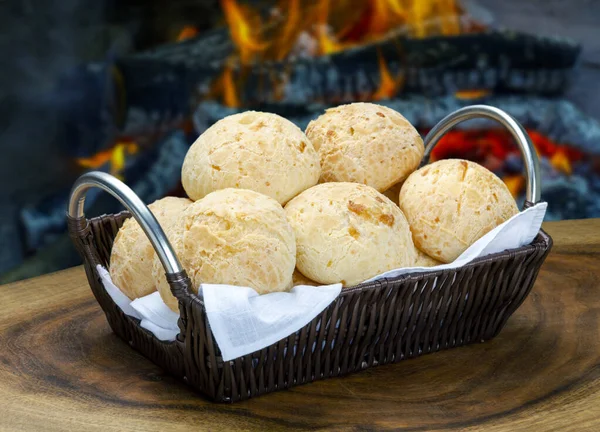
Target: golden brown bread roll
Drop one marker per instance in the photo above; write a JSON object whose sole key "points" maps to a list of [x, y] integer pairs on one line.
{"points": [[132, 254], [451, 203], [365, 143], [252, 150], [348, 232], [235, 237]]}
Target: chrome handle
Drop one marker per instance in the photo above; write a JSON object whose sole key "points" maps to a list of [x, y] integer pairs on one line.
{"points": [[134, 204], [532, 167]]}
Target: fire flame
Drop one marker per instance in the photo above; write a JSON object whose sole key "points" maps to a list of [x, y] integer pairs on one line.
{"points": [[385, 15], [187, 32], [514, 183], [245, 26], [472, 94], [335, 24], [289, 33], [389, 86], [377, 18], [230, 97], [329, 26], [327, 44], [435, 16], [225, 88], [560, 161], [116, 156]]}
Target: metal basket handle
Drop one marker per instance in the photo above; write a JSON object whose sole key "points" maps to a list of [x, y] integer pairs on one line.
{"points": [[532, 167], [176, 275]]}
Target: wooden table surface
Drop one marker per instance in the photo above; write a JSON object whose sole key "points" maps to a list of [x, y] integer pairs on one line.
{"points": [[61, 368]]}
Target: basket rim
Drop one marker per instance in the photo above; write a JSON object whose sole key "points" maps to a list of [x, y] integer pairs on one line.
{"points": [[542, 238]]}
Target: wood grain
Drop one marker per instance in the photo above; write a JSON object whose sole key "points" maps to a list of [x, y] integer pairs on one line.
{"points": [[61, 368]]}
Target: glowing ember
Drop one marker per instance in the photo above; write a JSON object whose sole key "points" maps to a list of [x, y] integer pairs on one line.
{"points": [[546, 147]]}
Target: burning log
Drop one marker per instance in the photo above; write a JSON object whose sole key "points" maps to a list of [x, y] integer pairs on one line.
{"points": [[433, 66], [151, 92], [334, 26], [210, 49], [495, 61], [377, 50]]}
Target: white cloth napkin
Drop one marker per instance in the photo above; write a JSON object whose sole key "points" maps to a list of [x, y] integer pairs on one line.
{"points": [[243, 321]]}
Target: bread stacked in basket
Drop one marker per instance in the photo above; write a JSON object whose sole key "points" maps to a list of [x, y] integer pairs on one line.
{"points": [[272, 207]]}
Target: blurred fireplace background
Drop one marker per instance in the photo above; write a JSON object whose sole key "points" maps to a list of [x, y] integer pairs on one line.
{"points": [[126, 86]]}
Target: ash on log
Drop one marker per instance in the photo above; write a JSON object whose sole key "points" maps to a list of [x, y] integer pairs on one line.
{"points": [[210, 49], [147, 93], [496, 61]]}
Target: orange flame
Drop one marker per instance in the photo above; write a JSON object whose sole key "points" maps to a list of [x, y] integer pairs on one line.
{"points": [[560, 161], [386, 15], [364, 21], [325, 27], [388, 86], [472, 94], [187, 32], [449, 17], [327, 44], [244, 26], [230, 96], [116, 156], [515, 184], [434, 16], [290, 30]]}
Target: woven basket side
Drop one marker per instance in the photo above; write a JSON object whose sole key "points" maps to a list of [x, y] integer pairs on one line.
{"points": [[382, 322]]}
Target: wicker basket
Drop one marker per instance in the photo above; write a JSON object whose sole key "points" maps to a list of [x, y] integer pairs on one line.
{"points": [[367, 325]]}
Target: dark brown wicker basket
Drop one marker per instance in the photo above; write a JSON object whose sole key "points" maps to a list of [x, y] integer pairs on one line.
{"points": [[367, 325]]}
